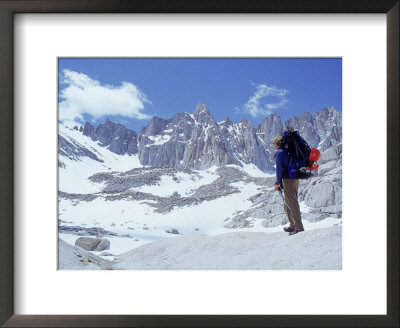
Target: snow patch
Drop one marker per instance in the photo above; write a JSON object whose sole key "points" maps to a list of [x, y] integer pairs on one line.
{"points": [[159, 140], [254, 171]]}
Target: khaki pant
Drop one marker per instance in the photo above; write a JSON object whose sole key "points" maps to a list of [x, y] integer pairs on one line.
{"points": [[291, 188]]}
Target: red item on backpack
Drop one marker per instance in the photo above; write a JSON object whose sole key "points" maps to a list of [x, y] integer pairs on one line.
{"points": [[315, 155]]}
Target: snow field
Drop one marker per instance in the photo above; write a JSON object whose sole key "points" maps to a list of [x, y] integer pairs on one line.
{"points": [[185, 187], [139, 220], [320, 250], [124, 215], [142, 223]]}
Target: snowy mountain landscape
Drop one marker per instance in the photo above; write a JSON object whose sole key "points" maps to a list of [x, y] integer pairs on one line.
{"points": [[189, 192]]}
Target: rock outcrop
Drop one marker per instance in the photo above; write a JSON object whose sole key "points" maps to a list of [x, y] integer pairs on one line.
{"points": [[73, 150], [93, 244], [322, 195], [116, 137]]}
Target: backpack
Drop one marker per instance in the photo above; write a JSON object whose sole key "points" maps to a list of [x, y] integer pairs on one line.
{"points": [[302, 158]]}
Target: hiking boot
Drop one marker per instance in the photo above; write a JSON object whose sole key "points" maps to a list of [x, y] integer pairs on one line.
{"points": [[288, 229], [294, 232]]}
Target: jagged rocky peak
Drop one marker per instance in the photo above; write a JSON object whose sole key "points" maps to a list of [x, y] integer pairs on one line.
{"points": [[202, 115], [155, 126], [196, 141], [115, 136], [246, 123], [269, 128], [304, 117], [327, 112], [225, 124], [271, 122], [322, 129], [302, 123], [162, 142], [88, 129], [109, 123], [180, 120], [200, 108]]}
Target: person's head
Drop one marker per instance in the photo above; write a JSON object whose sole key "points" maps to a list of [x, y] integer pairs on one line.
{"points": [[277, 142]]}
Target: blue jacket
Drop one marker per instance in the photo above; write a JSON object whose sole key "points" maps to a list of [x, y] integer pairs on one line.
{"points": [[282, 164]]}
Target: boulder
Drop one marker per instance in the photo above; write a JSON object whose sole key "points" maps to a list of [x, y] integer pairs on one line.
{"points": [[93, 244], [331, 154], [173, 231]]}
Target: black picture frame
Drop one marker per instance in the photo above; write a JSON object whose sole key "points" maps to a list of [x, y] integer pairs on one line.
{"points": [[10, 7]]}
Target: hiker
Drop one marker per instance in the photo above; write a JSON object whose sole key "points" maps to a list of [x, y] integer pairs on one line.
{"points": [[290, 186]]}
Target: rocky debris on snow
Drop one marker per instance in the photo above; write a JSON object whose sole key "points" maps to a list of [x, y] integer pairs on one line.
{"points": [[321, 194], [93, 244], [94, 231], [173, 231], [77, 197], [136, 178], [220, 187], [62, 221], [118, 187], [239, 221], [176, 194]]}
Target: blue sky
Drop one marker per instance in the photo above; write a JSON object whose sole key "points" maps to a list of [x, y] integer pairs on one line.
{"points": [[132, 90]]}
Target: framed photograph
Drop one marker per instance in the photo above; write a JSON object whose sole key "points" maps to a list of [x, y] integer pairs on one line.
{"points": [[136, 169], [199, 164]]}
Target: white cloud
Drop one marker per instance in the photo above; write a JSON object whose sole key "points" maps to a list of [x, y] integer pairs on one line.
{"points": [[257, 105], [83, 95]]}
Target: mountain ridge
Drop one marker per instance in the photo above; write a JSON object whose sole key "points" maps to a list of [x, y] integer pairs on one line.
{"points": [[197, 141]]}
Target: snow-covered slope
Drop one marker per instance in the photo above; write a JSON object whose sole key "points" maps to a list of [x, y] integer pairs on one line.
{"points": [[319, 249], [76, 258], [76, 164], [141, 206], [310, 250]]}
